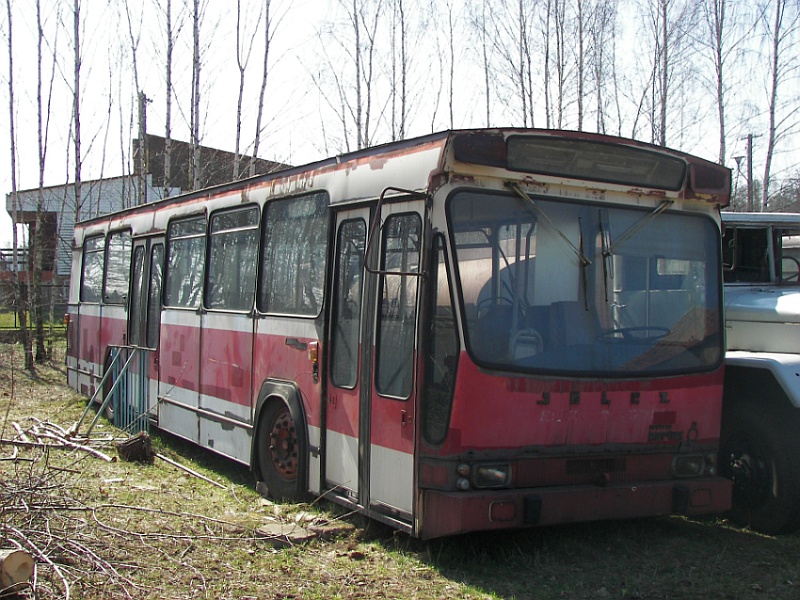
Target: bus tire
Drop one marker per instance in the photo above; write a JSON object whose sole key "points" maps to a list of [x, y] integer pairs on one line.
{"points": [[282, 451], [760, 453]]}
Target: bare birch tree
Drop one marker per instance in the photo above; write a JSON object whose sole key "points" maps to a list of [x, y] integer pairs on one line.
{"points": [[194, 113], [269, 31], [580, 58], [76, 106], [510, 30], [36, 245], [451, 63], [399, 76], [782, 32], [168, 101], [603, 64], [134, 36], [244, 48], [19, 295], [563, 39], [669, 23], [348, 82]]}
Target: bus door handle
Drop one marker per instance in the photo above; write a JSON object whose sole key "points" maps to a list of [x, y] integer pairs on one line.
{"points": [[404, 418]]}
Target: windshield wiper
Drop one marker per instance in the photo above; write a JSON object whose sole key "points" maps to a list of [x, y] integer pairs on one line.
{"points": [[605, 242], [584, 260], [636, 227]]}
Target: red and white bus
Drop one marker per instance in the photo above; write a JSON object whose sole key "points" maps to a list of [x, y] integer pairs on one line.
{"points": [[471, 330]]}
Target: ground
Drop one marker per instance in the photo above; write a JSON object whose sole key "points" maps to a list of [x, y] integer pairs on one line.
{"points": [[103, 528]]}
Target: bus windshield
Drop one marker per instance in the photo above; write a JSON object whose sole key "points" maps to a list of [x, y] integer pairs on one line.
{"points": [[578, 289]]}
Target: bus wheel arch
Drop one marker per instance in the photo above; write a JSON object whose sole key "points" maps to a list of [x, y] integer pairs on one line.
{"points": [[280, 442]]}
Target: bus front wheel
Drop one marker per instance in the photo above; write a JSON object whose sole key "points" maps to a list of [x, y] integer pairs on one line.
{"points": [[282, 451], [759, 452]]}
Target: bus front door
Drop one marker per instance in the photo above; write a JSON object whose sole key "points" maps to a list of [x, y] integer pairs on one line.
{"points": [[370, 403]]}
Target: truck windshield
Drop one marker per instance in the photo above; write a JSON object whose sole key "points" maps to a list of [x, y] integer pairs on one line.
{"points": [[548, 290]]}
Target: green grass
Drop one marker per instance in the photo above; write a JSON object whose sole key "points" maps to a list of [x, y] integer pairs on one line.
{"points": [[9, 320]]}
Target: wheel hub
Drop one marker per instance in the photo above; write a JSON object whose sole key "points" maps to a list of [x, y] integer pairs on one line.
{"points": [[283, 445]]}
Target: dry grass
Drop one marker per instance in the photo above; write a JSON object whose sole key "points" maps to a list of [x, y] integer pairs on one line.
{"points": [[124, 530]]}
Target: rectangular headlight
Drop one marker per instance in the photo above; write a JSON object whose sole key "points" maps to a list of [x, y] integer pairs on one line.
{"points": [[492, 476], [691, 465]]}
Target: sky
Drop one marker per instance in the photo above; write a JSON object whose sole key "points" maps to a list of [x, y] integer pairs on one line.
{"points": [[107, 98], [301, 124]]}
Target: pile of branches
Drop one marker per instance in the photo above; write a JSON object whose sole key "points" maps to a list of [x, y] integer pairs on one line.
{"points": [[83, 548], [40, 513]]}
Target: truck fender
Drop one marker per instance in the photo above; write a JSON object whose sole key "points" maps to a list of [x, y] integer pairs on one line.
{"points": [[765, 374]]}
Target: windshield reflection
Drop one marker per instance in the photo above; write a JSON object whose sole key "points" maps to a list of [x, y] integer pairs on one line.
{"points": [[530, 303]]}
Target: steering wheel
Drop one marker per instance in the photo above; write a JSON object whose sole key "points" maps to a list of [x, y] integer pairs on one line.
{"points": [[627, 334], [794, 277]]}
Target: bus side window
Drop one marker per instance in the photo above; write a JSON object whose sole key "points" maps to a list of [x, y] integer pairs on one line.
{"points": [[294, 257], [135, 311], [441, 357], [232, 259], [118, 267], [347, 316], [398, 302], [154, 296], [186, 250], [92, 269]]}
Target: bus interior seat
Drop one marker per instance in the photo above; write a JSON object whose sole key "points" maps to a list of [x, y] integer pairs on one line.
{"points": [[493, 330], [571, 324]]}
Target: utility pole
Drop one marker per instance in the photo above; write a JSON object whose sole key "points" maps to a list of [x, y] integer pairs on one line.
{"points": [[738, 160], [750, 172], [749, 137], [142, 162]]}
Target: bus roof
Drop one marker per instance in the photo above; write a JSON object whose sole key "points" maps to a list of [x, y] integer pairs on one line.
{"points": [[639, 167]]}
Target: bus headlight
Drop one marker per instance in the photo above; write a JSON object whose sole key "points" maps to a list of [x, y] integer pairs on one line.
{"points": [[492, 476], [692, 465]]}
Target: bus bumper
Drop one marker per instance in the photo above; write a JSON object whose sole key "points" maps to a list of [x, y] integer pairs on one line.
{"points": [[448, 513]]}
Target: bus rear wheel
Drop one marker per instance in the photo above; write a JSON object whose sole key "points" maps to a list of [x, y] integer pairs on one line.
{"points": [[759, 453], [282, 452]]}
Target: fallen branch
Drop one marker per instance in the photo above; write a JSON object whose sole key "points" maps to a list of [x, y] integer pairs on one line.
{"points": [[13, 455], [190, 471], [19, 431], [75, 446]]}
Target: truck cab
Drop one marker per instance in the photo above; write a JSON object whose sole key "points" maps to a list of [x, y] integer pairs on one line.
{"points": [[760, 439]]}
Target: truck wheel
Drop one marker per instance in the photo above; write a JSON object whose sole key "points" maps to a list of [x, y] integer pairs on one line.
{"points": [[760, 453], [282, 452]]}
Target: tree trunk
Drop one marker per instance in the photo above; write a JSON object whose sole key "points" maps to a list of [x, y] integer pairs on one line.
{"points": [[168, 117], [263, 89]]}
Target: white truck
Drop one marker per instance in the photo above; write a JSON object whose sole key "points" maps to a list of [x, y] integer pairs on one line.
{"points": [[760, 441]]}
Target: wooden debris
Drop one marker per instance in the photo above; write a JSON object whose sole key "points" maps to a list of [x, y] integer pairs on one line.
{"points": [[16, 569], [137, 448]]}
